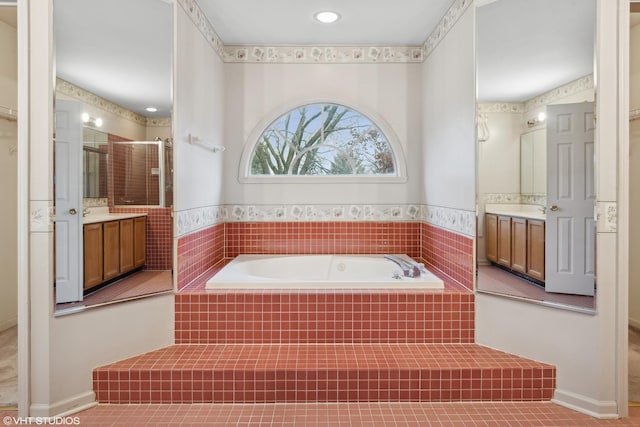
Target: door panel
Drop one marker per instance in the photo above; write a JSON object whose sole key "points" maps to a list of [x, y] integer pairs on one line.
{"points": [[68, 201], [570, 227]]}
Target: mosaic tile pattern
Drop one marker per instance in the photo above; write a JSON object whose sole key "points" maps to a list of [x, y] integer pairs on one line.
{"points": [[322, 238], [198, 253], [448, 253], [410, 414], [323, 373], [324, 317]]}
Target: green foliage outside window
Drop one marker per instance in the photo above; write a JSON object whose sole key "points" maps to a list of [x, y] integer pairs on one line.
{"points": [[323, 139]]}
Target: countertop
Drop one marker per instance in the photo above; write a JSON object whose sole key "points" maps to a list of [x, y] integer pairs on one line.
{"points": [[521, 211], [92, 218]]}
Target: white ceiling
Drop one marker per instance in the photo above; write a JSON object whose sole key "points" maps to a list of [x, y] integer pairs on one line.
{"points": [[290, 22], [121, 49], [525, 47]]}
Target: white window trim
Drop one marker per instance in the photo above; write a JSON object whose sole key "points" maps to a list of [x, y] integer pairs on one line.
{"points": [[245, 160]]}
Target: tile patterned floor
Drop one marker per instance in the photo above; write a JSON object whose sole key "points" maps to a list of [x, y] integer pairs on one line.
{"points": [[9, 367], [530, 414]]}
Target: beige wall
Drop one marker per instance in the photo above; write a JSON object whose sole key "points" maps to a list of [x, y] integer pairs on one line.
{"points": [[198, 110], [257, 94], [8, 179], [449, 111]]}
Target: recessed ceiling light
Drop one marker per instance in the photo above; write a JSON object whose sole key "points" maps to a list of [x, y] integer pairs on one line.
{"points": [[326, 17], [151, 109]]}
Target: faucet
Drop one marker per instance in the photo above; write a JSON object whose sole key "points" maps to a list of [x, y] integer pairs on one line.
{"points": [[409, 268]]}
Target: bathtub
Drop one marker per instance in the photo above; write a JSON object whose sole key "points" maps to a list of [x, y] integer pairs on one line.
{"points": [[318, 272]]}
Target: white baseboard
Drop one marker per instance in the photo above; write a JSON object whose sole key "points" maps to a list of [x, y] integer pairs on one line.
{"points": [[604, 410], [8, 323], [65, 407], [634, 323]]}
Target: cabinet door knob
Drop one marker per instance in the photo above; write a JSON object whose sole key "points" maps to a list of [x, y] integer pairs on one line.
{"points": [[73, 211], [553, 208]]}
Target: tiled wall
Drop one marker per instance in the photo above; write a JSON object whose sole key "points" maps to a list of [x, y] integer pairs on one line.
{"points": [[159, 235], [131, 173], [447, 252], [322, 238], [198, 252], [325, 317]]}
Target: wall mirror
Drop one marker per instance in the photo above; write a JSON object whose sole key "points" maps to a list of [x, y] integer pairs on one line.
{"points": [[113, 104], [94, 164], [534, 83]]}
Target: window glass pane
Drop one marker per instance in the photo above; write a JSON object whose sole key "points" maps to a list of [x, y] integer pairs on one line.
{"points": [[322, 139]]}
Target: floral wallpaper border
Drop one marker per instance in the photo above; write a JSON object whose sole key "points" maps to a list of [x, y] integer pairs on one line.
{"points": [[200, 20], [571, 88], [69, 89], [322, 54], [500, 107], [607, 217], [446, 23], [42, 215], [634, 115], [456, 220], [509, 198]]}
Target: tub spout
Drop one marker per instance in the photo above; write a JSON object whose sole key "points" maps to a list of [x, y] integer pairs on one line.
{"points": [[409, 268]]}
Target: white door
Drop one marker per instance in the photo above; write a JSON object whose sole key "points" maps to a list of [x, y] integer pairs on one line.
{"points": [[68, 196], [570, 228]]}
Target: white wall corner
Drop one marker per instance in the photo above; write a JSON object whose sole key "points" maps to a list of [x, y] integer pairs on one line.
{"points": [[65, 407], [604, 410]]}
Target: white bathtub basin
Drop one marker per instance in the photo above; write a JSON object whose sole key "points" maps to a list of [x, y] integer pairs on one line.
{"points": [[318, 272]]}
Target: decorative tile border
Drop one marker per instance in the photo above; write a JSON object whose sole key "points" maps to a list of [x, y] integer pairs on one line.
{"points": [[500, 107], [42, 215], [200, 20], [95, 202], [571, 88], [191, 220], [607, 220], [456, 220], [323, 54], [446, 23], [510, 198]]}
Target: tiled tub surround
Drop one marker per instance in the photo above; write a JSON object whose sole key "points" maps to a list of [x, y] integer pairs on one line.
{"points": [[285, 317], [442, 251]]}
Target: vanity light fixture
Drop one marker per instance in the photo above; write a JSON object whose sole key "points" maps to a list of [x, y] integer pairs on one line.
{"points": [[542, 116], [326, 17], [91, 121]]}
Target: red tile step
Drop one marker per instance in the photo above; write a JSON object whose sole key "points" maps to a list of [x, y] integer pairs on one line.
{"points": [[373, 372], [347, 317]]}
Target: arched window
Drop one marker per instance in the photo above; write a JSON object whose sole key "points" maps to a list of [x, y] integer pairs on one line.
{"points": [[322, 139]]}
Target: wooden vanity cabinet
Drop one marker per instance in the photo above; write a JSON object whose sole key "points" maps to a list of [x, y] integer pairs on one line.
{"points": [[92, 255], [111, 243], [519, 245], [491, 237], [504, 240], [126, 245], [535, 249], [113, 248], [516, 243], [139, 241]]}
